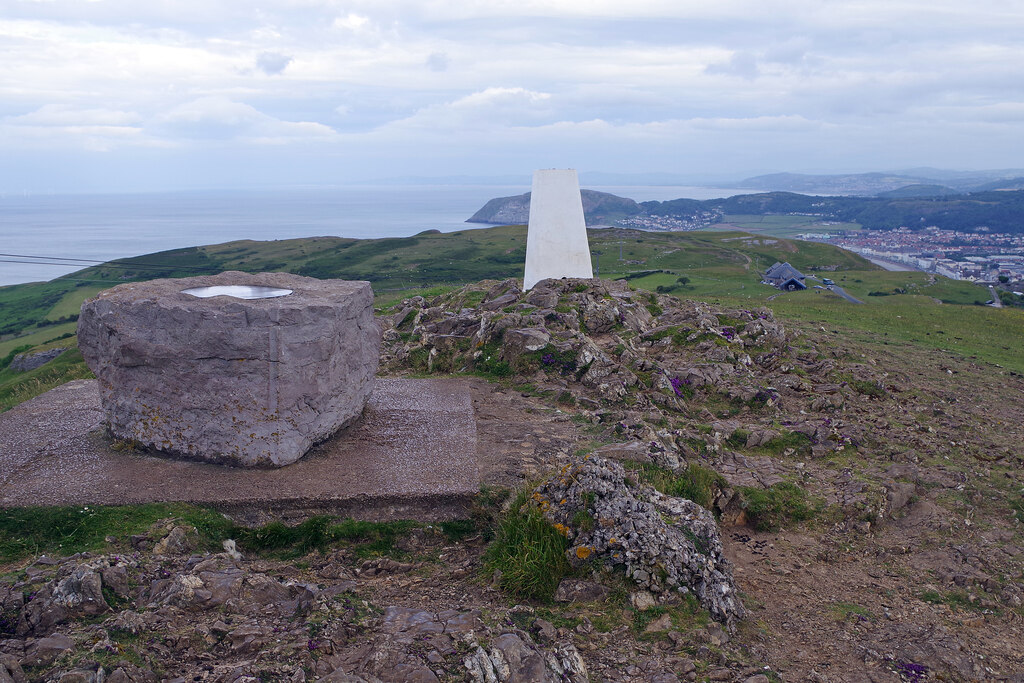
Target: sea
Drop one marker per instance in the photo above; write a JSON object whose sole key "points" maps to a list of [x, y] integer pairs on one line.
{"points": [[41, 234]]}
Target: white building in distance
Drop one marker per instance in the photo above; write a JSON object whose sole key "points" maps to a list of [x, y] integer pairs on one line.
{"points": [[556, 240]]}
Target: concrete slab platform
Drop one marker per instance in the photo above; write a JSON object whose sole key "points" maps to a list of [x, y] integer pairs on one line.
{"points": [[412, 455]]}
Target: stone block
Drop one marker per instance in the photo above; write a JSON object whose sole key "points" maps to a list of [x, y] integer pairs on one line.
{"points": [[248, 382]]}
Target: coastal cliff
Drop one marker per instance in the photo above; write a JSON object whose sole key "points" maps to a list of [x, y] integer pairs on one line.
{"points": [[598, 208]]}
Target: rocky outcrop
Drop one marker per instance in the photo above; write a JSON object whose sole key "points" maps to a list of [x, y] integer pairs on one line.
{"points": [[79, 594], [23, 362], [665, 545], [223, 618], [245, 382], [631, 357], [513, 658], [10, 670], [504, 210], [218, 581]]}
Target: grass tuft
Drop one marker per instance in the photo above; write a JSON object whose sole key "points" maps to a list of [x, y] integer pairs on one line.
{"points": [[1017, 506], [319, 533], [954, 599], [844, 610], [529, 553], [458, 529], [695, 483], [686, 617], [778, 506]]}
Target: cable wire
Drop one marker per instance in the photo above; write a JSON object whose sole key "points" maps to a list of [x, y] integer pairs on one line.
{"points": [[114, 263]]}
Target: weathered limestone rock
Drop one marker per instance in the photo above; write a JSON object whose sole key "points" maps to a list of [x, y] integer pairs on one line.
{"points": [[80, 594], [514, 659], [250, 382], [24, 362], [666, 545]]}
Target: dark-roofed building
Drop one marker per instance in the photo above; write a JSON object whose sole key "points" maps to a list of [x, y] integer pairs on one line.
{"points": [[785, 277]]}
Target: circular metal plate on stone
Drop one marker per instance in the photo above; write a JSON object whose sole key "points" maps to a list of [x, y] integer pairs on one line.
{"points": [[237, 291]]}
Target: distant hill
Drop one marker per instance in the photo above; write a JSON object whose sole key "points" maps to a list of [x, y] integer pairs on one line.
{"points": [[863, 184], [961, 179], [915, 206], [598, 208], [917, 191], [872, 184], [1002, 185], [1001, 211]]}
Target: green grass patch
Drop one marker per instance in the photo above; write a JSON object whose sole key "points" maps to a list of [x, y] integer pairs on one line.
{"points": [[549, 359], [687, 616], [387, 298], [778, 506], [843, 610], [1017, 506], [954, 599], [529, 552], [783, 225], [27, 306], [18, 387], [71, 303], [723, 405], [861, 386], [738, 439], [693, 482], [490, 362], [321, 532], [459, 529], [652, 305], [66, 530], [6, 360], [971, 331], [800, 443], [36, 337]]}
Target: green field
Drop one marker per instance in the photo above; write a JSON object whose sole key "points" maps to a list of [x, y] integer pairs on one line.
{"points": [[979, 332], [71, 302], [397, 265], [39, 338], [782, 225], [720, 267], [18, 387]]}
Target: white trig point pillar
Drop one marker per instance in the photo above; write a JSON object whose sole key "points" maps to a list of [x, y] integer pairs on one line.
{"points": [[556, 240]]}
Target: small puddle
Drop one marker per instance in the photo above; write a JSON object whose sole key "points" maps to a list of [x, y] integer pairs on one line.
{"points": [[237, 291]]}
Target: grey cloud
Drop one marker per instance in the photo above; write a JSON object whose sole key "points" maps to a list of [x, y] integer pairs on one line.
{"points": [[890, 81], [220, 118], [438, 61], [272, 63], [742, 64], [793, 52]]}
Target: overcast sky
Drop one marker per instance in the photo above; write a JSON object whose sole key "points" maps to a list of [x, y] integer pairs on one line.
{"points": [[108, 95]]}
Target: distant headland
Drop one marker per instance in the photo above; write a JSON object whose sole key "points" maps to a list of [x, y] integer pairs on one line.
{"points": [[916, 206]]}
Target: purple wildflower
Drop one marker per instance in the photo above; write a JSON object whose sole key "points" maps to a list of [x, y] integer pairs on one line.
{"points": [[911, 671]]}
